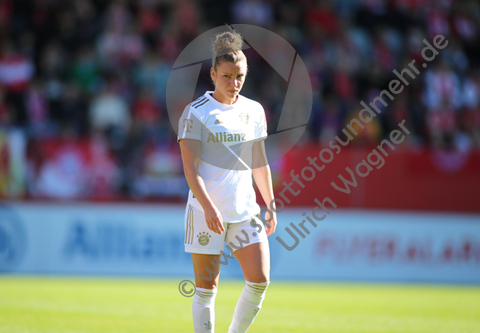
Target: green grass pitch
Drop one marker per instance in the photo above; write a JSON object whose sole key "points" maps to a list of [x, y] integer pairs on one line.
{"points": [[118, 305]]}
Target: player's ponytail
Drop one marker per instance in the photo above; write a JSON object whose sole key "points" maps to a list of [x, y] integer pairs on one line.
{"points": [[227, 46]]}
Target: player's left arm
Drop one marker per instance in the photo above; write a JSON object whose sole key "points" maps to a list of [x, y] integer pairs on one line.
{"points": [[263, 179]]}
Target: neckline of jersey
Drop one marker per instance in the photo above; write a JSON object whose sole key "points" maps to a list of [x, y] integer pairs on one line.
{"points": [[223, 106]]}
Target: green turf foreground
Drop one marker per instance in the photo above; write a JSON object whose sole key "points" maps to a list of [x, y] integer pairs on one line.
{"points": [[108, 305]]}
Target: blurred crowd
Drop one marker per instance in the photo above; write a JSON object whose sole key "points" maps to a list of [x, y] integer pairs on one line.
{"points": [[83, 83]]}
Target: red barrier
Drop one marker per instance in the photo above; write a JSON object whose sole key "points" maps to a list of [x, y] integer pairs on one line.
{"points": [[424, 180]]}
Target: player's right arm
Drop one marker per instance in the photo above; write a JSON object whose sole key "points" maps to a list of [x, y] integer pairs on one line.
{"points": [[191, 149], [190, 129]]}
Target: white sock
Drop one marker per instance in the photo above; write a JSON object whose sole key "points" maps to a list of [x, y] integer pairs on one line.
{"points": [[248, 306], [203, 309]]}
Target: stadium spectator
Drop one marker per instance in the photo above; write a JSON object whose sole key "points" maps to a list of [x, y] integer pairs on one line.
{"points": [[16, 72], [109, 110], [256, 12]]}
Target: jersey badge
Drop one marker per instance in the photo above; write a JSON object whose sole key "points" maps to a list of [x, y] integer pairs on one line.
{"points": [[203, 238], [245, 117]]}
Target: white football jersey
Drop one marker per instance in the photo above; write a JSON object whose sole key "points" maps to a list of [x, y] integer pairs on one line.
{"points": [[227, 133]]}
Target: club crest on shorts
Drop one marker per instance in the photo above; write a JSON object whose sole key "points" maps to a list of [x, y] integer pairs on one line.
{"points": [[203, 238], [245, 117]]}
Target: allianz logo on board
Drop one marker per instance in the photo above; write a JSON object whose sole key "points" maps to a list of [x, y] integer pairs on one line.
{"points": [[122, 241], [226, 137]]}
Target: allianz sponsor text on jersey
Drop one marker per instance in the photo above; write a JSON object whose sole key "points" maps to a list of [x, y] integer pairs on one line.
{"points": [[226, 137]]}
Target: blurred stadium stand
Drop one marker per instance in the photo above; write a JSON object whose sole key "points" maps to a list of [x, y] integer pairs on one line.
{"points": [[82, 93]]}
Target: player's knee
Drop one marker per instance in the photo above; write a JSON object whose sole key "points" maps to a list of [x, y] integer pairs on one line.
{"points": [[206, 284], [259, 278]]}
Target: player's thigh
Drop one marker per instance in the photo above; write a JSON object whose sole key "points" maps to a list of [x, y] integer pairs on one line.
{"points": [[255, 262], [206, 269], [254, 254]]}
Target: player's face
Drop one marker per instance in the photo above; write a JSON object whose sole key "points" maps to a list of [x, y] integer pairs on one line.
{"points": [[229, 78]]}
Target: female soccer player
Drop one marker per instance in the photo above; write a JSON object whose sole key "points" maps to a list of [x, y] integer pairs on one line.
{"points": [[221, 139]]}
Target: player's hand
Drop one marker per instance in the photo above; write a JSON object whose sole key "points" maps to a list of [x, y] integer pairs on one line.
{"points": [[214, 219], [271, 225]]}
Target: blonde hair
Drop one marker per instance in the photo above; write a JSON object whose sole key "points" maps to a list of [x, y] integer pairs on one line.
{"points": [[227, 46]]}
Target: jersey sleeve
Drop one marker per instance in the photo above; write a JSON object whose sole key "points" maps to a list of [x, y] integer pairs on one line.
{"points": [[190, 125], [261, 129]]}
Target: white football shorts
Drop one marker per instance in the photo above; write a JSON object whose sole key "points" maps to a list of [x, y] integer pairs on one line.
{"points": [[200, 239]]}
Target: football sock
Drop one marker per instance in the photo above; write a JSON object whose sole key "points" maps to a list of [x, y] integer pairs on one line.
{"points": [[248, 306], [203, 309]]}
